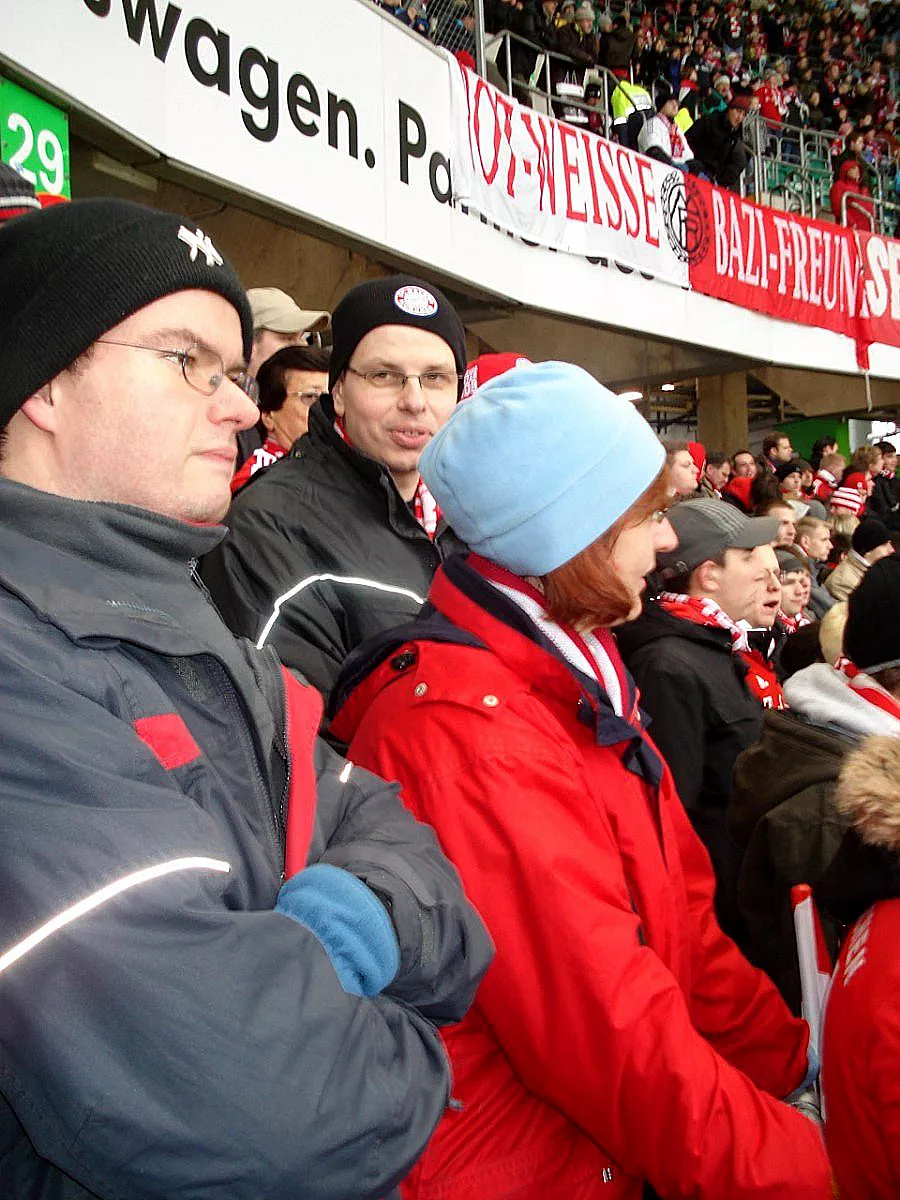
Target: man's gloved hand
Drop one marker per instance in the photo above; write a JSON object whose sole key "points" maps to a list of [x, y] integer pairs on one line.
{"points": [[351, 923]]}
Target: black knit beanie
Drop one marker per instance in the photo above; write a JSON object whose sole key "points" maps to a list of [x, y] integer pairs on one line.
{"points": [[396, 300], [16, 194], [872, 632], [69, 273], [868, 534]]}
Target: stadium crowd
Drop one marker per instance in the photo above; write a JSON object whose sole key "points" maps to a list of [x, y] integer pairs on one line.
{"points": [[631, 693], [807, 65]]}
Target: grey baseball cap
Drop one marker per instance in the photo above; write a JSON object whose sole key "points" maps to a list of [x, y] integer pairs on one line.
{"points": [[707, 527]]}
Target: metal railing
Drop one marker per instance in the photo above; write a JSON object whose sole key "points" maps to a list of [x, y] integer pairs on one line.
{"points": [[863, 205], [499, 50]]}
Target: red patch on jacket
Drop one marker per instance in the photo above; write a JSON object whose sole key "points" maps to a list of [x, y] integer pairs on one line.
{"points": [[169, 739]]}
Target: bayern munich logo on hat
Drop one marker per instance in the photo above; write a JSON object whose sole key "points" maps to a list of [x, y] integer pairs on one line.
{"points": [[415, 301]]}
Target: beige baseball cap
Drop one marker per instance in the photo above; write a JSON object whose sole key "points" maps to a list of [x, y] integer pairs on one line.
{"points": [[274, 309]]}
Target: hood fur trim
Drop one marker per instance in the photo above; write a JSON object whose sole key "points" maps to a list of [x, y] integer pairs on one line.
{"points": [[868, 791]]}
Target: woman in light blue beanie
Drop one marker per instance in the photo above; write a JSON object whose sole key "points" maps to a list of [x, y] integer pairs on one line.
{"points": [[619, 1039]]}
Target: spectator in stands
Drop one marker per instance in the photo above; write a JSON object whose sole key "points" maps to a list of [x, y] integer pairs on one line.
{"points": [[783, 812], [870, 542], [787, 520], [795, 576], [825, 481], [164, 1031], [814, 539], [683, 470], [617, 47], [883, 502], [859, 1045], [744, 465], [352, 505], [716, 474], [290, 382], [660, 137], [853, 494], [17, 196], [853, 153], [738, 491], [279, 322], [718, 96], [845, 199], [701, 680], [821, 447], [777, 449], [788, 476], [515, 686], [578, 39], [718, 148]]}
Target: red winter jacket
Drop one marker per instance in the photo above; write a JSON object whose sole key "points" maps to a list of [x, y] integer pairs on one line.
{"points": [[861, 1044], [615, 1037], [860, 213]]}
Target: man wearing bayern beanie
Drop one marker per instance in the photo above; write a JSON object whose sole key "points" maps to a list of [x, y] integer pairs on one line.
{"points": [[340, 540], [223, 946]]}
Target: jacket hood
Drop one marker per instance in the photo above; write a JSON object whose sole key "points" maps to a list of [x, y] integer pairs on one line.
{"points": [[866, 869], [823, 697], [868, 791], [844, 172]]}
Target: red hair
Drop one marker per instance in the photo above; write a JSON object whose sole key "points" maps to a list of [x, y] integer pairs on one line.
{"points": [[586, 591]]}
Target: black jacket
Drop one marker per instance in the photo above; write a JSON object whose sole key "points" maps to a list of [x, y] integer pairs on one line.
{"points": [[783, 818], [181, 1038], [692, 687], [324, 509], [718, 148]]}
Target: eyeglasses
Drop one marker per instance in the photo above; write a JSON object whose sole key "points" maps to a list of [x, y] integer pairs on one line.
{"points": [[396, 381], [201, 367], [308, 399]]}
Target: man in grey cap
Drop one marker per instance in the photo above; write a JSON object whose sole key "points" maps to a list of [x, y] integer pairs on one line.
{"points": [[279, 322], [702, 680]]}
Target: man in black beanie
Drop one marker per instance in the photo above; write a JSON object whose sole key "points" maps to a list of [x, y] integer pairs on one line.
{"points": [[215, 977], [871, 541], [340, 539]]}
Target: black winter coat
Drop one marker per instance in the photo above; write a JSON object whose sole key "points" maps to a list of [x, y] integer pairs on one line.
{"points": [[782, 816], [179, 1038], [692, 687], [324, 509], [718, 148]]}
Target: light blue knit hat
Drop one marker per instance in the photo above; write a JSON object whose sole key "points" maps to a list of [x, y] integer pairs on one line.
{"points": [[538, 464]]}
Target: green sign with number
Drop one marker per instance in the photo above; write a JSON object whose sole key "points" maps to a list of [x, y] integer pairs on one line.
{"points": [[34, 139]]}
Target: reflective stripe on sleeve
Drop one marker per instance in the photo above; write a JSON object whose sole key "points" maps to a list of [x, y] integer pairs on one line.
{"points": [[350, 580], [111, 890]]}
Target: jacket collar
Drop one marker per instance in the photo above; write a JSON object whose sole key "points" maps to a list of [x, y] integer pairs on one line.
{"points": [[328, 442], [101, 570], [466, 598]]}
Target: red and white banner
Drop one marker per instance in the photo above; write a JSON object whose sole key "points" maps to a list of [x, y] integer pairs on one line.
{"points": [[569, 189], [793, 268], [555, 185]]}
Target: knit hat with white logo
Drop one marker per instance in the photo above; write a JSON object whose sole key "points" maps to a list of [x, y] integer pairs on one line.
{"points": [[72, 272], [396, 300]]}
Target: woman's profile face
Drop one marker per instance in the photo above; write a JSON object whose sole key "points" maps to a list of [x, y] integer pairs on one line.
{"points": [[633, 555]]}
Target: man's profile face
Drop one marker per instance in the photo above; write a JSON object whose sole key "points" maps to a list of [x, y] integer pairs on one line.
{"points": [[394, 426], [748, 587], [817, 544], [128, 428], [744, 466], [719, 475], [787, 530], [783, 451]]}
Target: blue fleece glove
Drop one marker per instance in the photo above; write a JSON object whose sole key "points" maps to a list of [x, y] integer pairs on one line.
{"points": [[351, 923]]}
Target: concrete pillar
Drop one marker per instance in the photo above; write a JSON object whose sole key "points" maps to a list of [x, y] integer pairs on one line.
{"points": [[722, 411]]}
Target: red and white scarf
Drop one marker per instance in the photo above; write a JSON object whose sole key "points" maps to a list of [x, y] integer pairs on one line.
{"points": [[761, 680], [595, 654], [425, 507], [792, 624], [865, 686]]}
